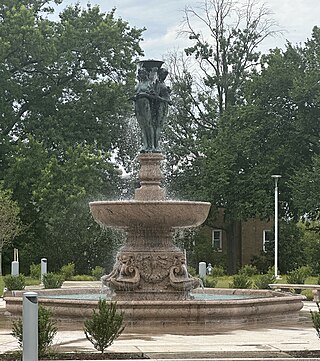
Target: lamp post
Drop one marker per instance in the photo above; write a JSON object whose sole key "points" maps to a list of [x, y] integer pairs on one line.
{"points": [[276, 227]]}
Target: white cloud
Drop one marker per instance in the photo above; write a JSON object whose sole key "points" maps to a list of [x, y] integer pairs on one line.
{"points": [[162, 19]]}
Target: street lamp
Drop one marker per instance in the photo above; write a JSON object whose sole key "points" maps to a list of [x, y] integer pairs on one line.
{"points": [[276, 178]]}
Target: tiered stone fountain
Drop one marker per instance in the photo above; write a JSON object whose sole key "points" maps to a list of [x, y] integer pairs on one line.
{"points": [[150, 278], [150, 266]]}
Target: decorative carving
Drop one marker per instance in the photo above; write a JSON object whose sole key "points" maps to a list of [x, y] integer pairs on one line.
{"points": [[179, 276], [124, 276], [134, 270]]}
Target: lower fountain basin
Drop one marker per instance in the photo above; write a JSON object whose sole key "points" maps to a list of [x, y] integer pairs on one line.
{"points": [[265, 306], [162, 214]]}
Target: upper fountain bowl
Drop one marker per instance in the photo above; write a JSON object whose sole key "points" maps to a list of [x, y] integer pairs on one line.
{"points": [[164, 214]]}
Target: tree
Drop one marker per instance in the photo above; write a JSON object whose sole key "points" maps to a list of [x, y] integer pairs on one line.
{"points": [[104, 326], [235, 31], [64, 110], [10, 223], [225, 37]]}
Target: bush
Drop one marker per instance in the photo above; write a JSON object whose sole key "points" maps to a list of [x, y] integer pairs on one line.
{"points": [[98, 272], [104, 326], [217, 271], [248, 270], [68, 271], [299, 275], [52, 280], [46, 330], [240, 281], [262, 281], [83, 278], [35, 271], [315, 315], [14, 282], [209, 281], [318, 280], [192, 271]]}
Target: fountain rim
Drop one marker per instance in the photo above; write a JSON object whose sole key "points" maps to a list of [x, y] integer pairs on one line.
{"points": [[155, 202]]}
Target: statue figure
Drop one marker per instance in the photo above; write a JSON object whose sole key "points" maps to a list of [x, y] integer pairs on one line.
{"points": [[152, 98]]}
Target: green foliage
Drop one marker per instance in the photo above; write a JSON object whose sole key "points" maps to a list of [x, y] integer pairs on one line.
{"points": [[52, 280], [66, 81], [192, 271], [104, 326], [46, 330], [68, 271], [1, 286], [210, 281], [248, 270], [292, 253], [315, 315], [263, 261], [217, 271], [298, 275], [35, 271], [83, 278], [98, 272], [10, 223], [14, 282], [262, 281], [241, 281]]}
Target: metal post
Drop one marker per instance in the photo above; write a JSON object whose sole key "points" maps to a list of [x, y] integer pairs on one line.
{"points": [[30, 326], [15, 263], [276, 226], [43, 268]]}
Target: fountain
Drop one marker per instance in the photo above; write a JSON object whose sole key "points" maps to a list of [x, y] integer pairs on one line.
{"points": [[150, 266], [149, 279]]}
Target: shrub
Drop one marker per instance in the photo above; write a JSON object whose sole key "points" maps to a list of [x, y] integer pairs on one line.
{"points": [[83, 278], [248, 270], [240, 281], [209, 281], [104, 326], [318, 280], [35, 271], [98, 272], [52, 280], [192, 271], [217, 271], [299, 275], [315, 315], [46, 330], [68, 271], [14, 282], [262, 281]]}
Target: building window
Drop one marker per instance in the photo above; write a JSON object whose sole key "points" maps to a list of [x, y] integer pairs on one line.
{"points": [[267, 239], [217, 239]]}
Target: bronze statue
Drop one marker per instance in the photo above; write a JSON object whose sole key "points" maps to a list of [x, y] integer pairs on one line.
{"points": [[152, 98]]}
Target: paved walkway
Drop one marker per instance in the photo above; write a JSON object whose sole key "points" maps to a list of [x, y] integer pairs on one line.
{"points": [[267, 341]]}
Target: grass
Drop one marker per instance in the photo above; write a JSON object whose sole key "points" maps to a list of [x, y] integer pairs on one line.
{"points": [[1, 286]]}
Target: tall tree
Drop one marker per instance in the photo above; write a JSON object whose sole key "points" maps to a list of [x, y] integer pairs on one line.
{"points": [[10, 223], [64, 109]]}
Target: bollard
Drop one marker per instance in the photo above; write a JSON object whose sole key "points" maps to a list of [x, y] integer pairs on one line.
{"points": [[202, 269], [30, 327], [15, 268], [43, 268], [15, 263]]}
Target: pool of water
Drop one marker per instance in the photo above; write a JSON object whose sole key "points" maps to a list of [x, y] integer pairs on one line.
{"points": [[196, 296]]}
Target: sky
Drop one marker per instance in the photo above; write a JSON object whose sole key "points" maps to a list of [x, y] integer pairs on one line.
{"points": [[163, 19]]}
